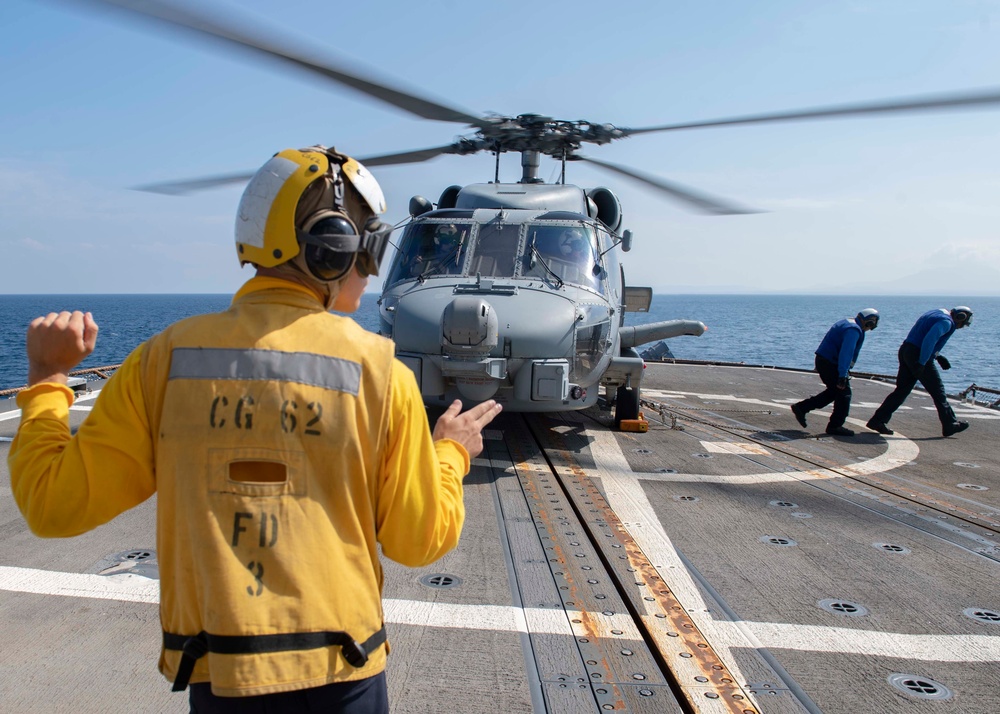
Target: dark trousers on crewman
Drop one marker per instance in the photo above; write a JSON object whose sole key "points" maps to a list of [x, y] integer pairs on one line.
{"points": [[841, 398], [907, 378], [366, 696]]}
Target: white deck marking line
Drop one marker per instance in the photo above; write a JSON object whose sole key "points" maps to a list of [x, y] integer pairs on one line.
{"points": [[925, 648], [123, 587], [735, 447], [784, 401], [627, 498], [900, 450], [505, 618], [6, 438]]}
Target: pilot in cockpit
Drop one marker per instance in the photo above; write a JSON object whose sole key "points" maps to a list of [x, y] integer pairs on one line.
{"points": [[573, 247], [576, 249], [446, 239], [439, 254]]}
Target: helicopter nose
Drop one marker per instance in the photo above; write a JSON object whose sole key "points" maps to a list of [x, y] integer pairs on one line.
{"points": [[469, 332]]}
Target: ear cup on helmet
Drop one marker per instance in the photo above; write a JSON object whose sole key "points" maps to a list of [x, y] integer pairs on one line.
{"points": [[962, 315], [322, 261]]}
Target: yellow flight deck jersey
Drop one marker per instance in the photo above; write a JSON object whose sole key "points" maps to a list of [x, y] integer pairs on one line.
{"points": [[283, 442]]}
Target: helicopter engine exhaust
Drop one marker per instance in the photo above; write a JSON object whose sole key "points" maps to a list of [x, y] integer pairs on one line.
{"points": [[469, 332], [608, 208]]}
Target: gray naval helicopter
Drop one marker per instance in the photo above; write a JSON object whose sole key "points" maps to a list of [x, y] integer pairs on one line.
{"points": [[514, 291]]}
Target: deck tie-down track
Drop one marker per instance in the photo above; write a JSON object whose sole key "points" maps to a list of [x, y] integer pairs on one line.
{"points": [[633, 646]]}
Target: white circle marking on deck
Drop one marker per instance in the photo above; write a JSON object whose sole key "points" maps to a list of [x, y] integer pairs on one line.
{"points": [[899, 450]]}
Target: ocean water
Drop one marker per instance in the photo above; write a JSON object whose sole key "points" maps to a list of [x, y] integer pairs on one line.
{"points": [[783, 330]]}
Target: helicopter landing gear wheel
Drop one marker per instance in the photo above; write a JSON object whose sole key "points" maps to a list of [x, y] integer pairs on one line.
{"points": [[626, 405]]}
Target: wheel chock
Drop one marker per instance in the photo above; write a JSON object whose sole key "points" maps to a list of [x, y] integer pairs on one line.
{"points": [[637, 425]]}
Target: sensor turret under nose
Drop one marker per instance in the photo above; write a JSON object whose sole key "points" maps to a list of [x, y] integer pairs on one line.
{"points": [[469, 327], [469, 332]]}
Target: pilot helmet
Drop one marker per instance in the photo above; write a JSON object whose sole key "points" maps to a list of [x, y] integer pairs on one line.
{"points": [[571, 243], [446, 236], [317, 202], [962, 316], [868, 318]]}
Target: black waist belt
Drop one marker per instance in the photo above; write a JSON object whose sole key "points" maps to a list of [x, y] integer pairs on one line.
{"points": [[194, 647]]}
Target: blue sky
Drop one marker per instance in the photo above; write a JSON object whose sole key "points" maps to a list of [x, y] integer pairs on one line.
{"points": [[93, 105]]}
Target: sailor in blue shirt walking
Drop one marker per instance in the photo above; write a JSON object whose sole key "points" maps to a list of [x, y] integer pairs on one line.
{"points": [[835, 356], [926, 339]]}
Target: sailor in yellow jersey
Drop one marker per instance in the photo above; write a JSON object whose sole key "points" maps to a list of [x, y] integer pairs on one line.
{"points": [[285, 444]]}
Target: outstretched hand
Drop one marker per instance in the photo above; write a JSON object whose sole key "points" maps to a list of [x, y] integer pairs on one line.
{"points": [[466, 428], [57, 343]]}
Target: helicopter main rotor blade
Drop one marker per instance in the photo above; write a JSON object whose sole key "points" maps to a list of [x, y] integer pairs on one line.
{"points": [[964, 100], [408, 157], [253, 41], [180, 188], [701, 201]]}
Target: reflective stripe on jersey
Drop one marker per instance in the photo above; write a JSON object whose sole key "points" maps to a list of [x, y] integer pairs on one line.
{"points": [[332, 373]]}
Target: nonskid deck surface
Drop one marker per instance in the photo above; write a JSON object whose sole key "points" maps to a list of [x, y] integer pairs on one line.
{"points": [[725, 561]]}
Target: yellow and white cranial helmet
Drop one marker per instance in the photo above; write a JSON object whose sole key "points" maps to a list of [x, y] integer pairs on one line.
{"points": [[266, 225]]}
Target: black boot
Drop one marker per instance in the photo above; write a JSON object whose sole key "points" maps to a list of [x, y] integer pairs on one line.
{"points": [[800, 415], [880, 426], [954, 427], [839, 431]]}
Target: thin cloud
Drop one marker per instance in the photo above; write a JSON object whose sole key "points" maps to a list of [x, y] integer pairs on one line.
{"points": [[979, 253], [32, 244]]}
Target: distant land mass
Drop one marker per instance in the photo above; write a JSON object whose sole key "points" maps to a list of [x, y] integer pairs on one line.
{"points": [[967, 279]]}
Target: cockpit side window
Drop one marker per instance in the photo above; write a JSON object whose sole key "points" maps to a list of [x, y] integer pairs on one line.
{"points": [[564, 252], [430, 249]]}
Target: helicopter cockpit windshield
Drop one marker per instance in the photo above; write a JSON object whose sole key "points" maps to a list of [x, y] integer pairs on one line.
{"points": [[567, 253], [557, 253], [430, 249]]}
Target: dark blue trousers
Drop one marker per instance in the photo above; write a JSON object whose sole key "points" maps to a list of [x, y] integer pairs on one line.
{"points": [[907, 378], [366, 696], [841, 398]]}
